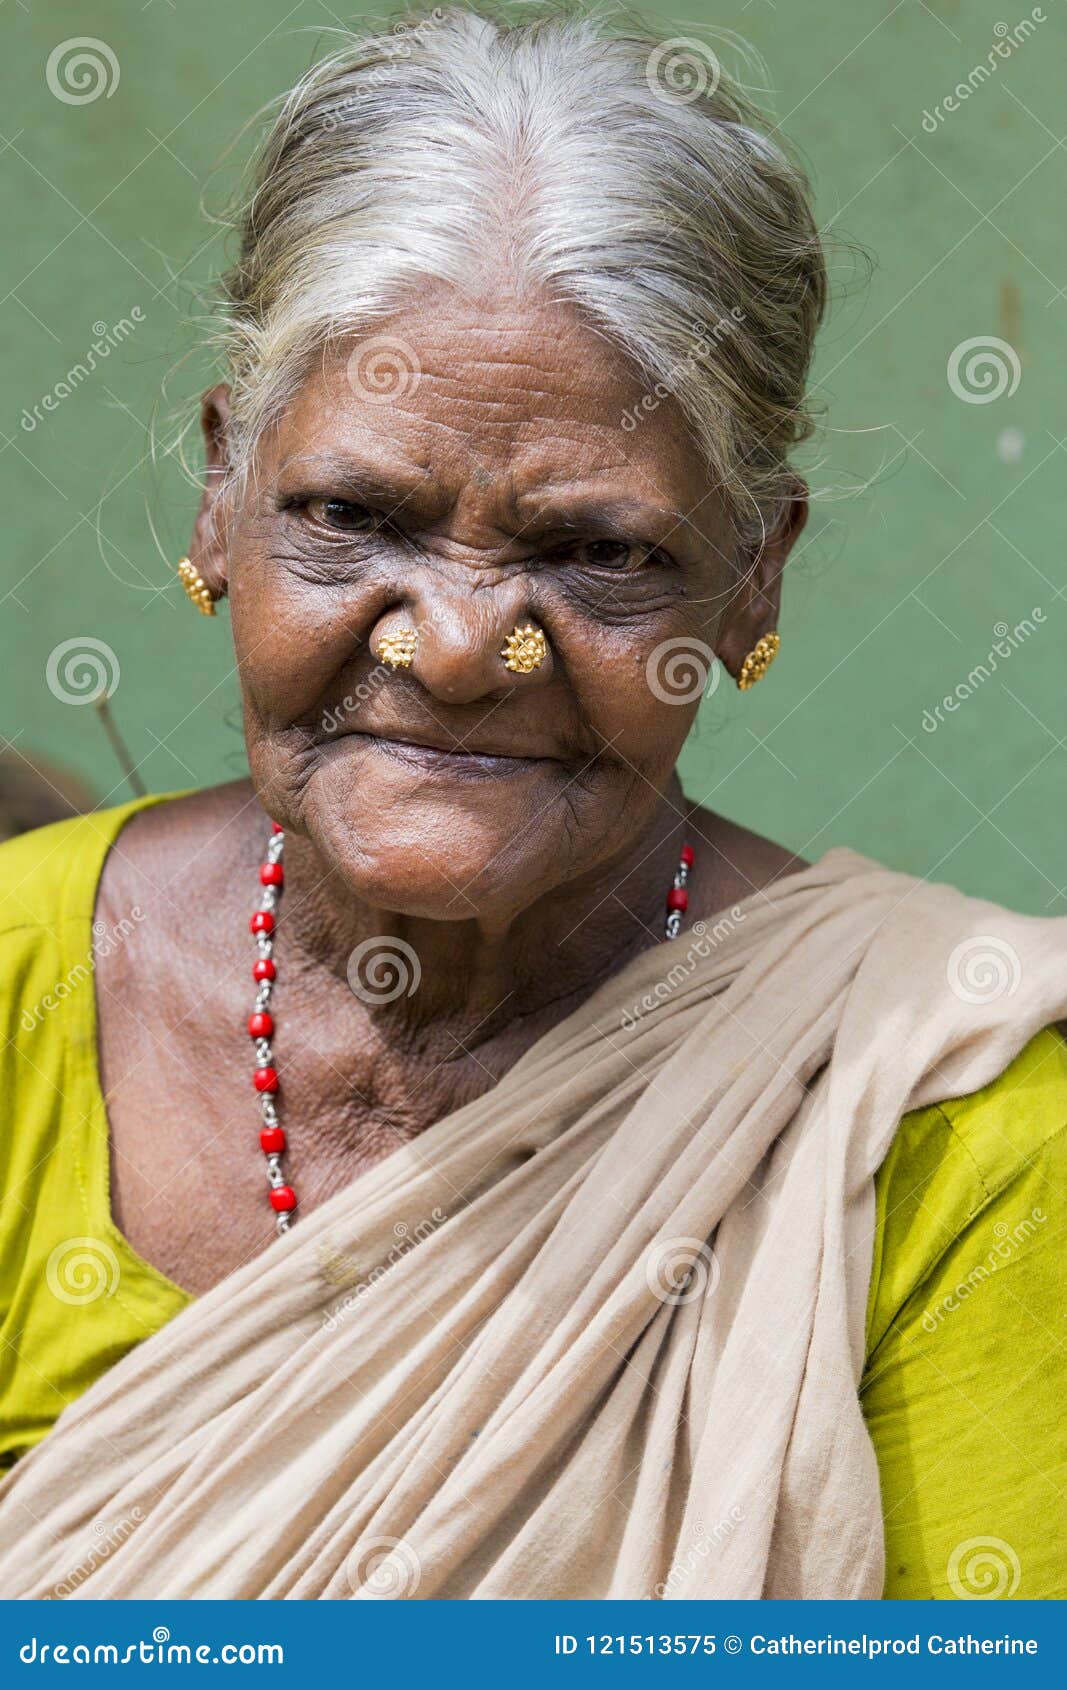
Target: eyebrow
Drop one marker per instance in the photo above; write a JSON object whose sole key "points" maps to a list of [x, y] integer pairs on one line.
{"points": [[620, 519], [338, 472], [617, 519]]}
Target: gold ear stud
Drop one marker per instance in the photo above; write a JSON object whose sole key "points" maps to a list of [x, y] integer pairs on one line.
{"points": [[759, 660], [524, 649], [197, 588], [398, 648]]}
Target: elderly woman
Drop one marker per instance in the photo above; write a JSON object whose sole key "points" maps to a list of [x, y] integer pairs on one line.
{"points": [[647, 1212]]}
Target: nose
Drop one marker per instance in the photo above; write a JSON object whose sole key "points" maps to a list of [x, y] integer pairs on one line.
{"points": [[465, 636]]}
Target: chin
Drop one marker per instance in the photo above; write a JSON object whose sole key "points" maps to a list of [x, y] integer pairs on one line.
{"points": [[435, 838]]}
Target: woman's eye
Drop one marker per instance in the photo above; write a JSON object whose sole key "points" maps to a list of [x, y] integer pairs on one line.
{"points": [[617, 554], [608, 554], [341, 514]]}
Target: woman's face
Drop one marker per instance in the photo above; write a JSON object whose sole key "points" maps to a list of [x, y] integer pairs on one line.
{"points": [[487, 482]]}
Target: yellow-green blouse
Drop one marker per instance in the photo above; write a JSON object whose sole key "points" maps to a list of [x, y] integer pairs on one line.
{"points": [[964, 1387]]}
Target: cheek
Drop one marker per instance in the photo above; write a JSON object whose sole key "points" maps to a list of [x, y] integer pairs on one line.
{"points": [[290, 645], [640, 688]]}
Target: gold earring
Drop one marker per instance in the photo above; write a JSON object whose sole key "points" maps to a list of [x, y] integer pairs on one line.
{"points": [[398, 648], [196, 587], [759, 660], [524, 649]]}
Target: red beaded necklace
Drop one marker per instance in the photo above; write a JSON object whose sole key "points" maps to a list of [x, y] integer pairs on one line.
{"points": [[261, 1021]]}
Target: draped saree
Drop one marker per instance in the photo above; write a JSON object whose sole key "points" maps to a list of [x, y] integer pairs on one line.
{"points": [[597, 1333]]}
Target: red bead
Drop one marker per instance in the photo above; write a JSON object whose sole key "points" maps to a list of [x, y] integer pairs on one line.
{"points": [[263, 969], [282, 1199], [272, 1141], [260, 1025], [271, 874], [677, 898], [265, 1079], [262, 922], [688, 855], [276, 827]]}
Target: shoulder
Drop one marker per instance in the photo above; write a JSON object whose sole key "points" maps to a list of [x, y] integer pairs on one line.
{"points": [[991, 1157], [53, 913], [46, 874], [966, 1369], [732, 861]]}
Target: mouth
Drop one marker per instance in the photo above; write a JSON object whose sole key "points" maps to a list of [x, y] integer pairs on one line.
{"points": [[457, 760]]}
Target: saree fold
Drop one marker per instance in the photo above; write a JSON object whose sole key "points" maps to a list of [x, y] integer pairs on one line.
{"points": [[597, 1333]]}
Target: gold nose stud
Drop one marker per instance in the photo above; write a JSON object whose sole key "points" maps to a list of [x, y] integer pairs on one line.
{"points": [[398, 648], [524, 649]]}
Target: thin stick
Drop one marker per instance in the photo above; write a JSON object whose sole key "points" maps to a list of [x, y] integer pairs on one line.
{"points": [[102, 705]]}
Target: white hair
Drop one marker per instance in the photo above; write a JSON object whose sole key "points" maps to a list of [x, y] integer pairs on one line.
{"points": [[564, 153]]}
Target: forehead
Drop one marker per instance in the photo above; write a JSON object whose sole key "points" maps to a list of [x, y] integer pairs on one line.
{"points": [[523, 390]]}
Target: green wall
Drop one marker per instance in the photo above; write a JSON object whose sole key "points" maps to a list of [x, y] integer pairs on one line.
{"points": [[936, 517]]}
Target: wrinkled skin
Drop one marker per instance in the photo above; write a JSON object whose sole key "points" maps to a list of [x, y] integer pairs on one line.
{"points": [[518, 832]]}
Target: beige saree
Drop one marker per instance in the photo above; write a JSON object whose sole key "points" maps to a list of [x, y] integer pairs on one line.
{"points": [[597, 1334]]}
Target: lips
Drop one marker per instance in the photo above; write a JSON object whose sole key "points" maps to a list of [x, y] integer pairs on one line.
{"points": [[455, 758]]}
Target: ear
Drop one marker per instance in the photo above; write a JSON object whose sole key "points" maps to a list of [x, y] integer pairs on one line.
{"points": [[755, 603], [208, 550]]}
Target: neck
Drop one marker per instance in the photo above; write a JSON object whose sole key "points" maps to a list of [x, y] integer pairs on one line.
{"points": [[478, 977]]}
